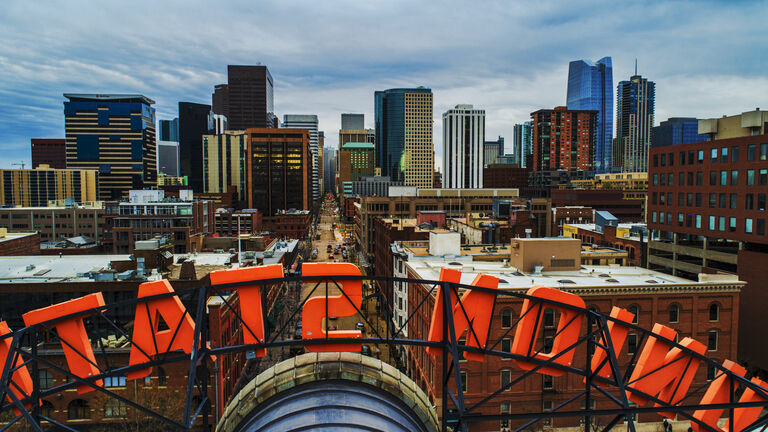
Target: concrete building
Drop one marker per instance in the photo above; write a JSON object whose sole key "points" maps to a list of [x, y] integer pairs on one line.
{"points": [[225, 164], [279, 170], [373, 186], [492, 150], [634, 185], [745, 124], [522, 144], [168, 158], [356, 160], [352, 121], [247, 100], [115, 135], [309, 122], [564, 139], [705, 309], [404, 147], [635, 105], [56, 222], [463, 147], [49, 151], [37, 187], [706, 212]]}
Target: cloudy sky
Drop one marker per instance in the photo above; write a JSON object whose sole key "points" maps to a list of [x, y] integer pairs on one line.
{"points": [[328, 57]]}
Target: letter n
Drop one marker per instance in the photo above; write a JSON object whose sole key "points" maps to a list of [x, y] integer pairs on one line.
{"points": [[148, 340], [663, 372], [249, 298], [618, 335], [74, 339], [472, 313]]}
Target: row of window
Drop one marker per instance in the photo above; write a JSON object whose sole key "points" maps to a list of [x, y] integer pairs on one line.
{"points": [[716, 223], [716, 200], [715, 155], [716, 178]]}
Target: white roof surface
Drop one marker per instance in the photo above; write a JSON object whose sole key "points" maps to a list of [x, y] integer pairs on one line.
{"points": [[53, 268]]}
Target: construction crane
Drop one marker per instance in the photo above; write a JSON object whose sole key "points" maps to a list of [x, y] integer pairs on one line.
{"points": [[21, 164]]}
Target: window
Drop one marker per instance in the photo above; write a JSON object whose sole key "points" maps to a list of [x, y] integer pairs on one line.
{"points": [[761, 202], [748, 226], [674, 313], [46, 409], [506, 345], [762, 178], [689, 199], [663, 160], [46, 379], [653, 216], [763, 151], [714, 312], [734, 177], [699, 178], [546, 406], [698, 221], [680, 199], [549, 318], [712, 200], [700, 156], [679, 219], [713, 178], [631, 343], [147, 381], [87, 147], [669, 198], [662, 198], [724, 154], [734, 154], [713, 154], [663, 180], [712, 340], [655, 179], [162, 379], [712, 223], [547, 382], [750, 177], [722, 200], [653, 197], [732, 224], [506, 377], [721, 223], [463, 375], [78, 410], [115, 381], [734, 199], [723, 178], [114, 408], [634, 310], [682, 158], [656, 160], [505, 408], [711, 372], [698, 199], [749, 201], [751, 150], [670, 179], [690, 178], [506, 318]]}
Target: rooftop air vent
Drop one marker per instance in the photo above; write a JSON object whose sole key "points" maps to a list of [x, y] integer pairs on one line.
{"points": [[566, 281], [454, 263], [612, 280], [652, 281]]}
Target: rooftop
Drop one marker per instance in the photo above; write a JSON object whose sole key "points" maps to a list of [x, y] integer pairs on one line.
{"points": [[6, 236], [86, 97], [357, 145], [52, 268]]}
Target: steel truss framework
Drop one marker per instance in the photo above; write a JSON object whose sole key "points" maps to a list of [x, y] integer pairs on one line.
{"points": [[456, 414]]}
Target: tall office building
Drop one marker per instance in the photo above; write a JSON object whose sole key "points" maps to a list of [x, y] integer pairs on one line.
{"points": [[320, 163], [522, 144], [563, 139], [356, 160], [224, 163], [463, 144], [676, 130], [329, 170], [168, 158], [352, 121], [114, 134], [590, 87], [635, 100], [35, 187], [309, 122], [492, 150], [168, 130], [404, 148], [193, 124], [247, 100], [49, 151], [279, 170]]}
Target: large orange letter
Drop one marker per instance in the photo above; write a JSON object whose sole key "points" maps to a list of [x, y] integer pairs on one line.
{"points": [[662, 371], [251, 309], [618, 334], [74, 339], [338, 305], [147, 338], [568, 329], [479, 310], [20, 383]]}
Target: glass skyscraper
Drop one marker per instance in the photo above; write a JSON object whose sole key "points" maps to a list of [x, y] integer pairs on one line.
{"points": [[590, 87], [676, 130], [522, 144], [635, 104]]}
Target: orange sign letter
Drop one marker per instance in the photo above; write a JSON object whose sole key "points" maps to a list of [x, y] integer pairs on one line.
{"points": [[77, 347], [21, 377], [618, 334]]}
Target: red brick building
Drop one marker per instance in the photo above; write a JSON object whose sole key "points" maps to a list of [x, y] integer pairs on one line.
{"points": [[19, 244], [505, 176], [563, 139], [49, 151], [707, 213], [613, 201], [292, 225]]}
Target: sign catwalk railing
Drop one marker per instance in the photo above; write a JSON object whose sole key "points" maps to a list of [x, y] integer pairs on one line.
{"points": [[172, 327]]}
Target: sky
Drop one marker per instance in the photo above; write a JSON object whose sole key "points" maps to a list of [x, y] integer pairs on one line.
{"points": [[707, 58]]}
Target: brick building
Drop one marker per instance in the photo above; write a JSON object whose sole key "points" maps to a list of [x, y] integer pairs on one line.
{"points": [[49, 151], [613, 201], [707, 213], [564, 139], [505, 176], [232, 223], [19, 244], [57, 222], [626, 237], [291, 224]]}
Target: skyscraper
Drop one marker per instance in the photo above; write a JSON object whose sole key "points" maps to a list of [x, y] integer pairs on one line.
{"points": [[522, 144], [676, 130], [356, 160], [352, 121], [463, 145], [168, 158], [168, 130], [220, 99], [563, 139], [635, 100], [590, 87], [492, 150], [329, 170], [114, 134], [309, 122], [193, 124], [404, 147], [224, 163], [247, 100]]}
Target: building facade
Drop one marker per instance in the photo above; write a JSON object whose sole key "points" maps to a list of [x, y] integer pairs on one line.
{"points": [[635, 104], [36, 187], [352, 122], [492, 150], [193, 124], [329, 170], [745, 124], [563, 139], [356, 160], [49, 151], [168, 130], [463, 147], [248, 99], [309, 122], [505, 176], [115, 135], [168, 158], [279, 170], [225, 159], [707, 213], [404, 147], [676, 130], [55, 223], [522, 144], [590, 87]]}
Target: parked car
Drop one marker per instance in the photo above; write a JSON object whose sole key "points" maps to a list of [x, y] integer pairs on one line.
{"points": [[365, 350], [360, 326]]}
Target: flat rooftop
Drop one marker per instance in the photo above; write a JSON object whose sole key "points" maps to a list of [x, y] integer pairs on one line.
{"points": [[16, 236], [52, 268]]}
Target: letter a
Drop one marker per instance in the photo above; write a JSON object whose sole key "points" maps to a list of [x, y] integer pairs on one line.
{"points": [[338, 305]]}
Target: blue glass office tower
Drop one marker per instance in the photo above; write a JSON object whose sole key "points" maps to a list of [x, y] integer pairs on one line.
{"points": [[404, 148], [676, 130], [590, 87]]}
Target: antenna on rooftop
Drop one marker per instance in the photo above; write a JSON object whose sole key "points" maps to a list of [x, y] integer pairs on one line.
{"points": [[635, 66]]}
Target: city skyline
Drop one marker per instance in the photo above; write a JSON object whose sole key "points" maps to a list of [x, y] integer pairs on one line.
{"points": [[333, 74]]}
